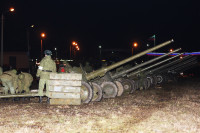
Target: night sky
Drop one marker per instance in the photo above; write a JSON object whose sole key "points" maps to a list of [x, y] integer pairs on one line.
{"points": [[114, 25]]}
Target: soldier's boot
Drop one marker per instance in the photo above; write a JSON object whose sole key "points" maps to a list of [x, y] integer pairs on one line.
{"points": [[48, 100], [40, 99]]}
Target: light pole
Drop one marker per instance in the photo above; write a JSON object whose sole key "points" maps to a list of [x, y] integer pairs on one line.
{"points": [[42, 36], [28, 46], [134, 45], [100, 51], [2, 22], [56, 52], [73, 49]]}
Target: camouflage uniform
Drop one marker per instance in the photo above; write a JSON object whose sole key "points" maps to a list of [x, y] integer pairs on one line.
{"points": [[65, 67], [9, 81], [47, 65], [24, 82]]}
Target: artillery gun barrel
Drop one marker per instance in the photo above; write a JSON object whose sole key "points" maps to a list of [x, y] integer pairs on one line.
{"points": [[147, 68], [178, 65], [186, 67], [182, 64], [168, 65], [101, 72], [117, 75]]}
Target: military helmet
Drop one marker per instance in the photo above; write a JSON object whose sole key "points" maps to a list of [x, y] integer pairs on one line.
{"points": [[21, 76], [47, 52]]}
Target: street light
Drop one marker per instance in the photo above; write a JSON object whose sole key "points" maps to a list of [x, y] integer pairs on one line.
{"points": [[73, 48], [43, 35], [73, 43], [11, 9], [28, 44], [100, 51], [2, 22], [56, 52], [134, 45]]}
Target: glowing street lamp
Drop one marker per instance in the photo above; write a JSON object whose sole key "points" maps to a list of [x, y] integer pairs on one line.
{"points": [[72, 49], [2, 22], [11, 9], [43, 35], [134, 45], [73, 43]]}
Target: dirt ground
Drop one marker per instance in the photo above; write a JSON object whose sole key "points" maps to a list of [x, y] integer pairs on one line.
{"points": [[173, 107]]}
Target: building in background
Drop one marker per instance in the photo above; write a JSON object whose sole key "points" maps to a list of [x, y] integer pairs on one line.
{"points": [[16, 60]]}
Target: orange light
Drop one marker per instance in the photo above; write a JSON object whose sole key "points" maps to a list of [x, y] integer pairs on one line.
{"points": [[135, 44], [11, 9], [77, 47], [181, 57], [43, 35], [73, 43], [171, 50]]}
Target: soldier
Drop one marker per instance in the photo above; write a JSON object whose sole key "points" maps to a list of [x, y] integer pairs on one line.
{"points": [[24, 82], [65, 67], [47, 65], [9, 80]]}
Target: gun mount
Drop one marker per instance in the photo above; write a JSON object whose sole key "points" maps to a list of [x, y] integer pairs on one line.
{"points": [[103, 82]]}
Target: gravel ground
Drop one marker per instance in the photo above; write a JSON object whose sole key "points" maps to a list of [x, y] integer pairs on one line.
{"points": [[171, 107]]}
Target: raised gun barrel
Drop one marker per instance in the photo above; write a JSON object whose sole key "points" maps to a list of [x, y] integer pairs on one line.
{"points": [[101, 72], [119, 74], [170, 64], [182, 64], [154, 65]]}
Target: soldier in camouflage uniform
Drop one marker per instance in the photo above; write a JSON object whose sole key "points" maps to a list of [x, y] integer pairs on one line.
{"points": [[9, 80], [65, 67], [47, 65], [24, 82]]}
